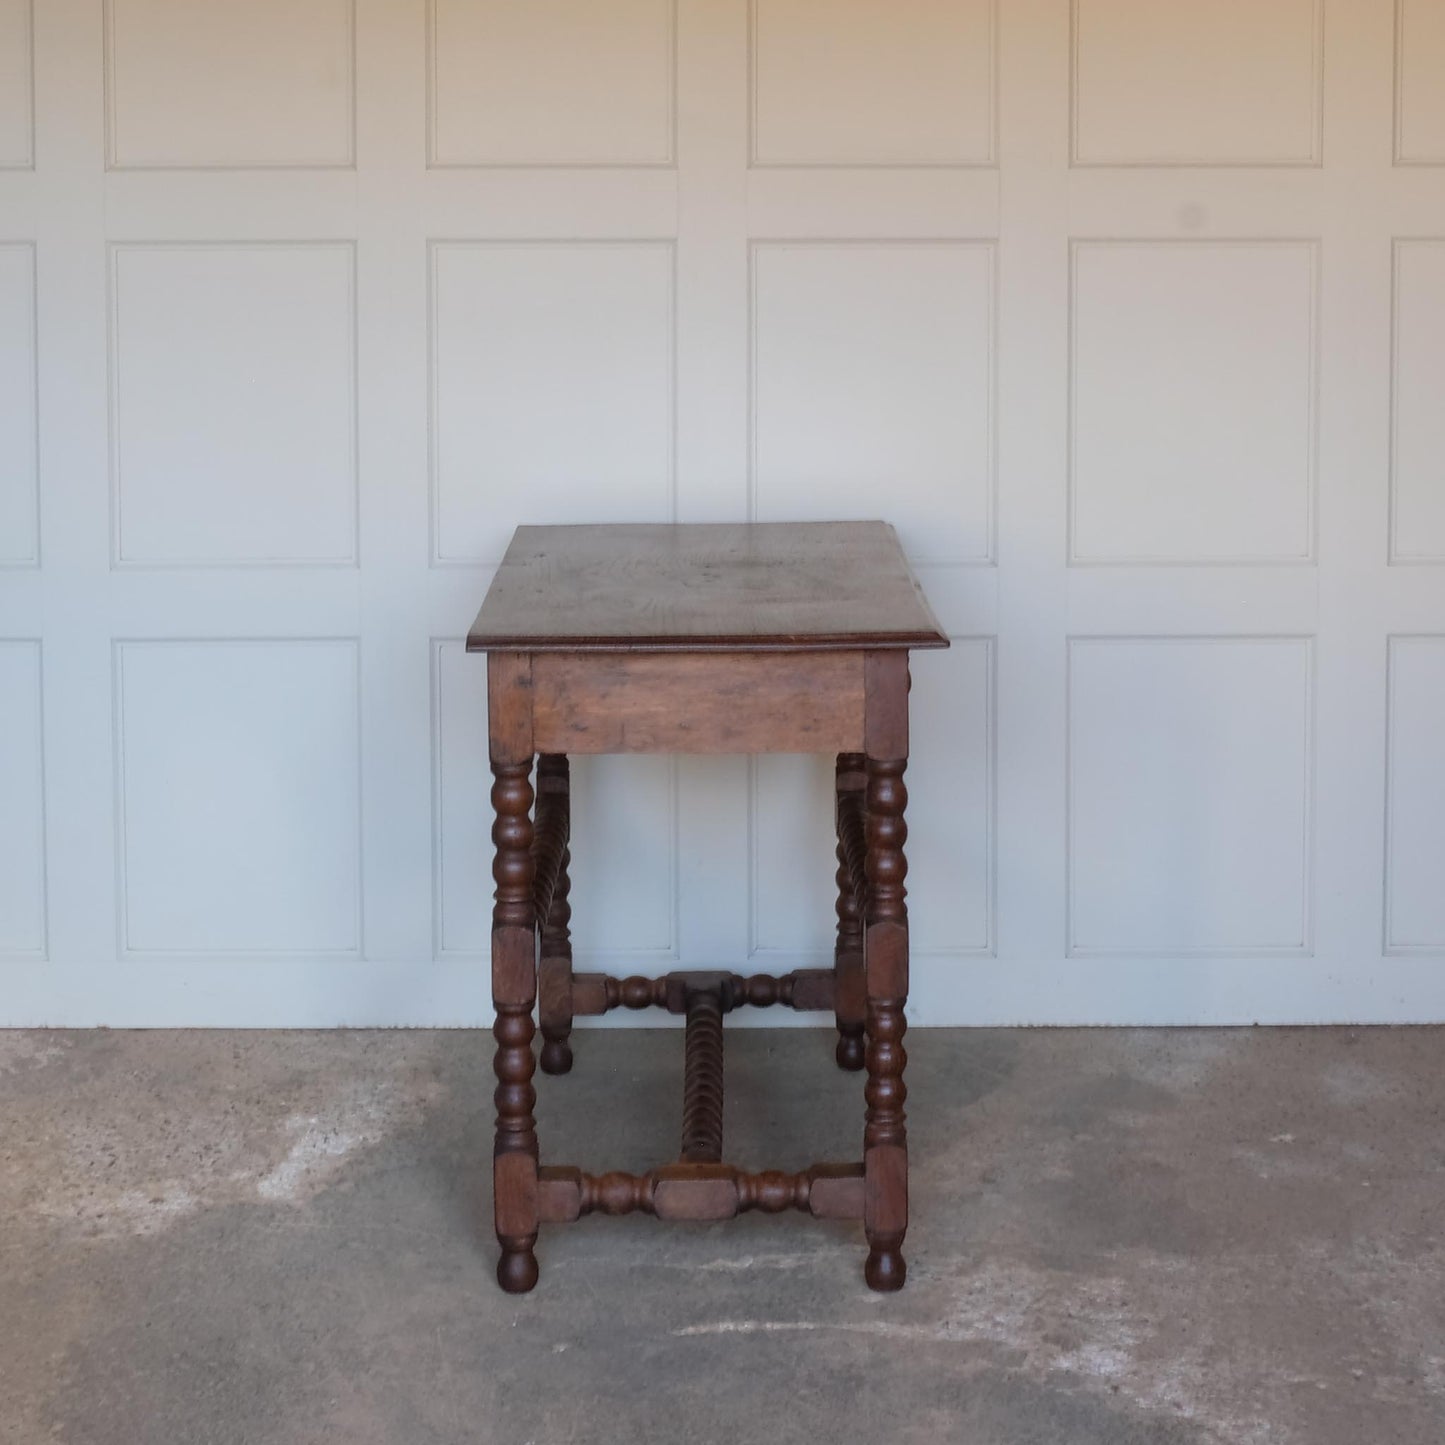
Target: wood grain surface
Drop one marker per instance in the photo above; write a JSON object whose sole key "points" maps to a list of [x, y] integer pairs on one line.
{"points": [[699, 703], [793, 586]]}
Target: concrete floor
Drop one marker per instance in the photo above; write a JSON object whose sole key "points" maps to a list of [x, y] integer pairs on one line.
{"points": [[1120, 1238]]}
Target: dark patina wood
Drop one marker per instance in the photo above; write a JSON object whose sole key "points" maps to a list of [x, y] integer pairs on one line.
{"points": [[551, 892], [789, 586], [850, 1004], [737, 702], [701, 1191], [513, 969], [700, 639]]}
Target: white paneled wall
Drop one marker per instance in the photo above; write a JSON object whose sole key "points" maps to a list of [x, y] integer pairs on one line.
{"points": [[238, 803], [212, 84], [553, 83], [233, 404], [22, 822], [873, 360], [1230, 83], [1192, 380], [1189, 765], [1419, 96], [1415, 802], [17, 148], [20, 476], [1127, 313], [552, 378], [872, 83], [1417, 530]]}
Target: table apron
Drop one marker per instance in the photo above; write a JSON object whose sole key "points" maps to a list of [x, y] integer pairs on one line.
{"points": [[698, 702]]}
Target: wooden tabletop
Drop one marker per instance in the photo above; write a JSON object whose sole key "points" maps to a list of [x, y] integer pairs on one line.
{"points": [[759, 586]]}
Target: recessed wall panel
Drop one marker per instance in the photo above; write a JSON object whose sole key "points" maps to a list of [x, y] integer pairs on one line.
{"points": [[1193, 402], [233, 404], [623, 831], [552, 82], [1170, 82], [1420, 82], [215, 84], [17, 100], [872, 82], [1415, 827], [950, 820], [793, 862], [552, 388], [1417, 521], [873, 389], [239, 813], [19, 520], [22, 801], [1189, 771]]}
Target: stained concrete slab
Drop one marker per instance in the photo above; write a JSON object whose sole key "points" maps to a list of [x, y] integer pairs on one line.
{"points": [[1162, 1237]]}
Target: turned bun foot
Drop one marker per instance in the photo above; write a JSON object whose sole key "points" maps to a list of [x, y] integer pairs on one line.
{"points": [[517, 1271], [849, 1052], [885, 1270], [556, 1056]]}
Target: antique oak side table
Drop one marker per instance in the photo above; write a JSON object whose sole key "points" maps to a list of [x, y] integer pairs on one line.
{"points": [[786, 637]]}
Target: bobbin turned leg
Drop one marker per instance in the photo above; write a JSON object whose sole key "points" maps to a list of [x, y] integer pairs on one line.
{"points": [[849, 987], [885, 1138], [554, 972], [514, 978]]}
